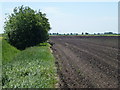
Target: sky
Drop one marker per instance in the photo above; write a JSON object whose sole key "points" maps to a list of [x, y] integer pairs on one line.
{"points": [[71, 17]]}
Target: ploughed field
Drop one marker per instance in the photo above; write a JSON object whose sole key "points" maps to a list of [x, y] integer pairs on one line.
{"points": [[86, 61]]}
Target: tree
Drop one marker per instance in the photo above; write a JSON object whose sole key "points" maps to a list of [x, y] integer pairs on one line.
{"points": [[108, 33], [82, 33], [98, 33], [86, 33], [71, 34], [57, 33], [26, 27], [76, 34]]}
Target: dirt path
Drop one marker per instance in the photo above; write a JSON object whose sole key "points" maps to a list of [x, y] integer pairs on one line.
{"points": [[86, 62]]}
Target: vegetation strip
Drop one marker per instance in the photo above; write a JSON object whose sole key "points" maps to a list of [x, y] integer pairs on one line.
{"points": [[30, 68], [8, 52], [0, 63]]}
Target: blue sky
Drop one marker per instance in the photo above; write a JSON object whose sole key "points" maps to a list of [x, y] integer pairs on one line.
{"points": [[75, 17]]}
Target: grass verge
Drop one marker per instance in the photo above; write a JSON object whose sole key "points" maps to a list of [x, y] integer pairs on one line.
{"points": [[8, 52], [31, 68], [0, 63]]}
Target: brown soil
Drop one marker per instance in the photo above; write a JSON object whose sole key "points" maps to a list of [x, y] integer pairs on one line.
{"points": [[86, 62]]}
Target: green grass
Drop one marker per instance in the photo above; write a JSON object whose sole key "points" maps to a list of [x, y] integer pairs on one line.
{"points": [[31, 68], [8, 52], [0, 35], [0, 63], [0, 51]]}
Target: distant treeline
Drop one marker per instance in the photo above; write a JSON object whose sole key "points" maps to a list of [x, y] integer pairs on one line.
{"points": [[105, 33]]}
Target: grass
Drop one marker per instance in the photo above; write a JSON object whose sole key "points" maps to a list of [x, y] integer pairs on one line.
{"points": [[0, 35], [0, 50], [8, 52], [30, 68], [0, 64]]}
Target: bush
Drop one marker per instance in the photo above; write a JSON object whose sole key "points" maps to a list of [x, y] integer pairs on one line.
{"points": [[26, 27]]}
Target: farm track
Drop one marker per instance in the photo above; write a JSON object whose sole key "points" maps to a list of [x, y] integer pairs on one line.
{"points": [[86, 62]]}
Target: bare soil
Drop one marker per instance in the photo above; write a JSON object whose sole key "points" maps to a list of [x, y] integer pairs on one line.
{"points": [[86, 61]]}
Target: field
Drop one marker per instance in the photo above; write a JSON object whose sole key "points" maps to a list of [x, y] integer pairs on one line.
{"points": [[33, 67], [86, 61]]}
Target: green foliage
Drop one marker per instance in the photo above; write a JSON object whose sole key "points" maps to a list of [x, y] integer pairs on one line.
{"points": [[0, 35], [44, 44], [8, 52], [31, 68], [26, 27], [0, 63]]}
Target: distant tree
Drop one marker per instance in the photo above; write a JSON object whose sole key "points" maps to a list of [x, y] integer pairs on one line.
{"points": [[67, 33], [115, 33], [76, 33], [108, 33], [98, 33], [82, 33], [50, 34], [86, 33], [26, 27], [71, 34], [57, 33]]}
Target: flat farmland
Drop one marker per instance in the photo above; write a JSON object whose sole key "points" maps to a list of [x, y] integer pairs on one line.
{"points": [[86, 61]]}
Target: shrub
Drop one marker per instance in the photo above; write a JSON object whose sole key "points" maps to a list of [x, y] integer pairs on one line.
{"points": [[26, 27]]}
